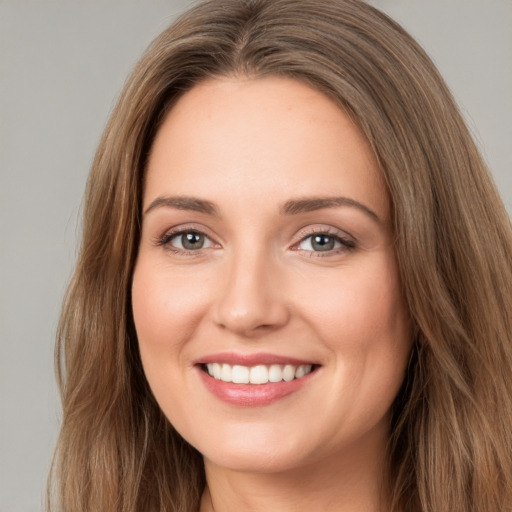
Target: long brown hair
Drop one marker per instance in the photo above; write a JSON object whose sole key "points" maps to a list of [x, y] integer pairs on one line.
{"points": [[451, 445]]}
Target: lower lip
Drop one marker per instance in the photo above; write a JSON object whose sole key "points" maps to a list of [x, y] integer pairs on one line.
{"points": [[252, 395]]}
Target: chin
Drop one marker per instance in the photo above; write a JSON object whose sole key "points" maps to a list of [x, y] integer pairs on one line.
{"points": [[253, 451], [249, 461]]}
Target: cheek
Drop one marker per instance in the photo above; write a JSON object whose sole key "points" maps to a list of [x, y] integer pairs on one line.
{"points": [[166, 310], [362, 320], [358, 307]]}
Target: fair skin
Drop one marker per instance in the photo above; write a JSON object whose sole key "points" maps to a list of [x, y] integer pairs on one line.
{"points": [[267, 242]]}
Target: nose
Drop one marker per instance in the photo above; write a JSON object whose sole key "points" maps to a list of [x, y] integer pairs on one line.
{"points": [[253, 298]]}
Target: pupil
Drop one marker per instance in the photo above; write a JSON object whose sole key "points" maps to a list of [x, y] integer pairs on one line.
{"points": [[323, 243], [192, 240]]}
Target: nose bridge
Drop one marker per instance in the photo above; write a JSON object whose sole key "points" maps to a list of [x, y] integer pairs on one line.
{"points": [[251, 300]]}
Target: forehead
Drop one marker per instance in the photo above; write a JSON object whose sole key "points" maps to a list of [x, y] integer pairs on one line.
{"points": [[262, 135]]}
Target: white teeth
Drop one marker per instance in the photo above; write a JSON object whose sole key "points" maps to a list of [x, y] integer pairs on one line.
{"points": [[300, 372], [275, 373], [225, 373], [216, 370], [240, 374], [259, 374], [288, 373]]}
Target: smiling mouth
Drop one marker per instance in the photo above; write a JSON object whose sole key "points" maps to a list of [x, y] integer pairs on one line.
{"points": [[259, 374]]}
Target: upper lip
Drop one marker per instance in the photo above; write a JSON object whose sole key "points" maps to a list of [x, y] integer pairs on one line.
{"points": [[233, 358]]}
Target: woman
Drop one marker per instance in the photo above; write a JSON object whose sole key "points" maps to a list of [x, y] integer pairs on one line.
{"points": [[295, 283]]}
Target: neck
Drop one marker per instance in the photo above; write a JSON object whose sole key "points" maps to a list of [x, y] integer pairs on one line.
{"points": [[343, 483]]}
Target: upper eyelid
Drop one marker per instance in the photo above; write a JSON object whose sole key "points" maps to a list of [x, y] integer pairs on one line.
{"points": [[176, 234], [186, 228], [325, 229]]}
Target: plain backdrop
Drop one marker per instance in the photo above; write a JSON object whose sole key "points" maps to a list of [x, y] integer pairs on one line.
{"points": [[62, 65]]}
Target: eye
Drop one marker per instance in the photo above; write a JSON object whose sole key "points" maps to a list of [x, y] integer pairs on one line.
{"points": [[324, 242], [187, 241]]}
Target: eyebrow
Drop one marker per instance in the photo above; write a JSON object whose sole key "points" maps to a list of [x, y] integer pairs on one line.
{"points": [[291, 207], [310, 204], [183, 203]]}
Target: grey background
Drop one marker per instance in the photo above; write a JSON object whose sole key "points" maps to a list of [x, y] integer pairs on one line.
{"points": [[62, 64]]}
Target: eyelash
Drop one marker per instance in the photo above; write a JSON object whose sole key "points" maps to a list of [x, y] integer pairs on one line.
{"points": [[346, 244], [165, 241]]}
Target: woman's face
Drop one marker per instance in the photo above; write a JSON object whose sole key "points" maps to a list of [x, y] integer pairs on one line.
{"points": [[266, 297]]}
